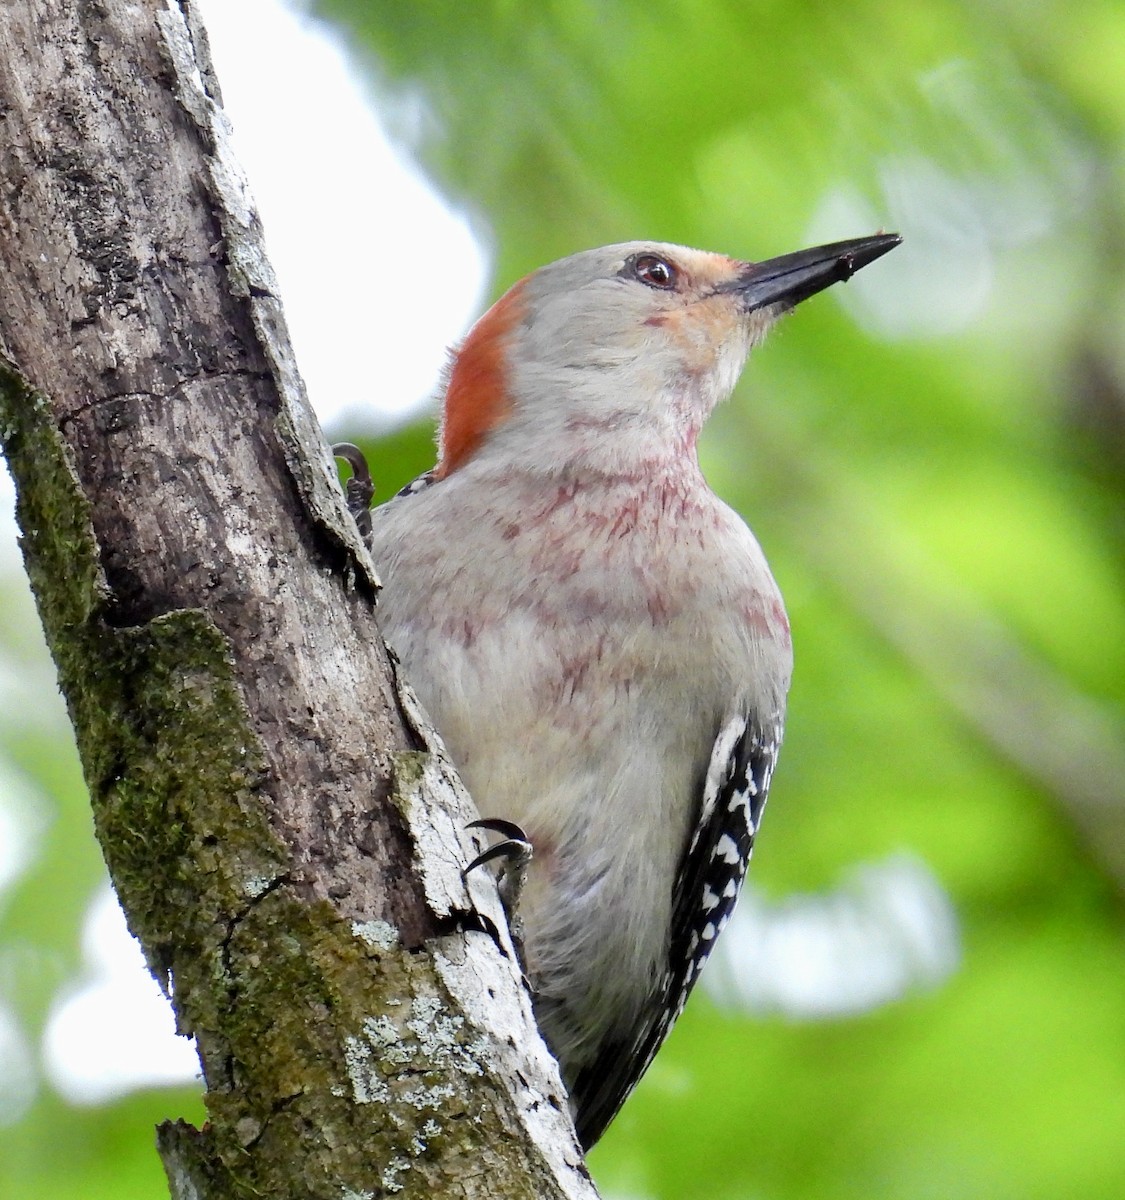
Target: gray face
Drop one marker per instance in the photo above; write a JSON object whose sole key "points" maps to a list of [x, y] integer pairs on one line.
{"points": [[647, 316]]}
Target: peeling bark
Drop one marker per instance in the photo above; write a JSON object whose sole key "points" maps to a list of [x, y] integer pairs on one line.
{"points": [[280, 822]]}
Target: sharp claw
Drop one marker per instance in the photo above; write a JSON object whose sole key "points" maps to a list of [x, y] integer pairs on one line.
{"points": [[516, 846], [509, 829], [516, 850], [359, 488], [355, 458], [512, 849]]}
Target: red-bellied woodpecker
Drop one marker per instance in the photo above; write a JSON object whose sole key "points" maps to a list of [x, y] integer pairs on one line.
{"points": [[596, 635]]}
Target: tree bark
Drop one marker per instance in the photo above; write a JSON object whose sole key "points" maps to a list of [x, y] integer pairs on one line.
{"points": [[281, 824]]}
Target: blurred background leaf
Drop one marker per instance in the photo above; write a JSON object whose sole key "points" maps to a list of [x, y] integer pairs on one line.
{"points": [[923, 997]]}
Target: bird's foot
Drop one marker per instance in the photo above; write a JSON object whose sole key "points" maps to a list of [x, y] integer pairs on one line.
{"points": [[516, 852], [359, 489]]}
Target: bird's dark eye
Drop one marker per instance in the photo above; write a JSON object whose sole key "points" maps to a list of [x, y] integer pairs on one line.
{"points": [[656, 272]]}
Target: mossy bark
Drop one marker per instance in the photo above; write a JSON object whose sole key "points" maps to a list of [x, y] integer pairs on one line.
{"points": [[280, 823]]}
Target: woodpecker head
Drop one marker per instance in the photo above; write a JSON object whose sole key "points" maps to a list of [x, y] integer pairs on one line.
{"points": [[641, 338]]}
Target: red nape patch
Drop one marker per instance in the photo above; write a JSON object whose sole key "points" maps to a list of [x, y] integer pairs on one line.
{"points": [[476, 396]]}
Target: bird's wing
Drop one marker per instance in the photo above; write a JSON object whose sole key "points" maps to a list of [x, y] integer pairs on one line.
{"points": [[420, 484]]}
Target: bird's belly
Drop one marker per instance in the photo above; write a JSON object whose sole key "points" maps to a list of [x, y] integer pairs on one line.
{"points": [[587, 754]]}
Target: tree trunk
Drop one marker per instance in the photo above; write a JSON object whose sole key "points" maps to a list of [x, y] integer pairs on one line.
{"points": [[281, 824]]}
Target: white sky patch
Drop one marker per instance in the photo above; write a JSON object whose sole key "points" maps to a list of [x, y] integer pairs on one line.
{"points": [[887, 930], [377, 275], [113, 1031]]}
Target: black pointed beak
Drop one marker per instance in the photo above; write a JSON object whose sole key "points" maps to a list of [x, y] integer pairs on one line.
{"points": [[795, 277]]}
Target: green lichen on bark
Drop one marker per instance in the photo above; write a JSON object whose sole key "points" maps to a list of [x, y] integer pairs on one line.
{"points": [[58, 543], [169, 757], [174, 774], [380, 1095]]}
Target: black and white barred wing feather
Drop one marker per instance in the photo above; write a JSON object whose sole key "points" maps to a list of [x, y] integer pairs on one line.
{"points": [[707, 886], [418, 484]]}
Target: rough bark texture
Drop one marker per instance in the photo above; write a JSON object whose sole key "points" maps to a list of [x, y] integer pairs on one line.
{"points": [[281, 826]]}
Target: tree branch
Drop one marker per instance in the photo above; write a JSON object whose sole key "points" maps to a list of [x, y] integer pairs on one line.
{"points": [[283, 828]]}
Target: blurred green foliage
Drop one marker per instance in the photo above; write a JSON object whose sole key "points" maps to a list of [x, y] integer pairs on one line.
{"points": [[934, 460]]}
